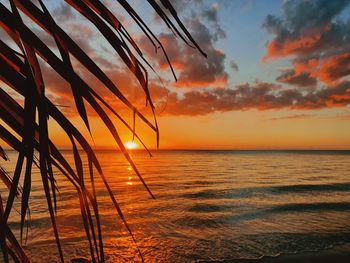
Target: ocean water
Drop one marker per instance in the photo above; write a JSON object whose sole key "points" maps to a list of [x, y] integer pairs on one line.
{"points": [[209, 206]]}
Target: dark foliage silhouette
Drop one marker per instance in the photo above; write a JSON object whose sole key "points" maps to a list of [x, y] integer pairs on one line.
{"points": [[25, 126]]}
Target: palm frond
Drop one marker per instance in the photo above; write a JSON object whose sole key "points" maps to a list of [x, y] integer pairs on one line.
{"points": [[25, 126]]}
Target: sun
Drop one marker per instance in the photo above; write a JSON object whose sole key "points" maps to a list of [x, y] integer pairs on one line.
{"points": [[131, 145]]}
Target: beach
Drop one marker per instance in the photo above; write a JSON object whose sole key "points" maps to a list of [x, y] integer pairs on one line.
{"points": [[339, 254]]}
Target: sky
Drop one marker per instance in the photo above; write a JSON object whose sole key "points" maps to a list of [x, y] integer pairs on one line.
{"points": [[276, 76]]}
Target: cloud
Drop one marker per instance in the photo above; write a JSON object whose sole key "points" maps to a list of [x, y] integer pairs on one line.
{"points": [[74, 24], [343, 116], [306, 26], [234, 65], [302, 79], [182, 5], [335, 67], [192, 69], [63, 13], [293, 117], [259, 96], [326, 62], [210, 14], [311, 31]]}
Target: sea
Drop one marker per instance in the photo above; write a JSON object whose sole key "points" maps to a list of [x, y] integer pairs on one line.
{"points": [[209, 206]]}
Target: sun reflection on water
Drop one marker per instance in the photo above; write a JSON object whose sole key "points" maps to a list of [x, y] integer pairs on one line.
{"points": [[129, 182], [209, 206]]}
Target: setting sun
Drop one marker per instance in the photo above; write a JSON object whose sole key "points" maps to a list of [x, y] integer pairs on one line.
{"points": [[130, 145], [175, 131]]}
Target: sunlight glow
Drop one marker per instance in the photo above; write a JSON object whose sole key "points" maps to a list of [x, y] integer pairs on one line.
{"points": [[130, 145]]}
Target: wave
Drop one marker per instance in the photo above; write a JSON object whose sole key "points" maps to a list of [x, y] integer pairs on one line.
{"points": [[196, 222], [299, 207], [204, 208], [310, 247], [257, 213], [344, 187], [205, 194], [292, 208], [267, 190]]}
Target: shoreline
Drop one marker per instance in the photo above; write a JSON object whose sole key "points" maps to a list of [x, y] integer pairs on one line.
{"points": [[338, 253]]}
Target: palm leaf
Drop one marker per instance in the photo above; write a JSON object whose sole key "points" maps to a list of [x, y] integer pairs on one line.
{"points": [[26, 126]]}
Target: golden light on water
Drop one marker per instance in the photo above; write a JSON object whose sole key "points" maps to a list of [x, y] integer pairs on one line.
{"points": [[129, 182], [130, 145]]}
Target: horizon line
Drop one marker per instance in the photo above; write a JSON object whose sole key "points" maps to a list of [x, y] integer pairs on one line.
{"points": [[208, 149]]}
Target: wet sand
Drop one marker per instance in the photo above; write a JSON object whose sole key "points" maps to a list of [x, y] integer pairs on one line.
{"points": [[338, 254]]}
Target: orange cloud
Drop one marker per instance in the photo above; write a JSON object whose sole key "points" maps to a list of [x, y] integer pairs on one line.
{"points": [[334, 68], [315, 39], [259, 95], [302, 44], [308, 66], [193, 70]]}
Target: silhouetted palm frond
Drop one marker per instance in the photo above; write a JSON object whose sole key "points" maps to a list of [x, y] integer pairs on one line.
{"points": [[25, 108]]}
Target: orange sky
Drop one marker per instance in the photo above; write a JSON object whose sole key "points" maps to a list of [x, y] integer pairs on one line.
{"points": [[273, 78], [241, 130]]}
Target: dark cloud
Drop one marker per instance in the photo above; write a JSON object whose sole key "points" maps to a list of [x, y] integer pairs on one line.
{"points": [[335, 67], [303, 79], [76, 26], [234, 65], [327, 62], [259, 95], [193, 70], [63, 13], [311, 31], [211, 15], [181, 5], [304, 18]]}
